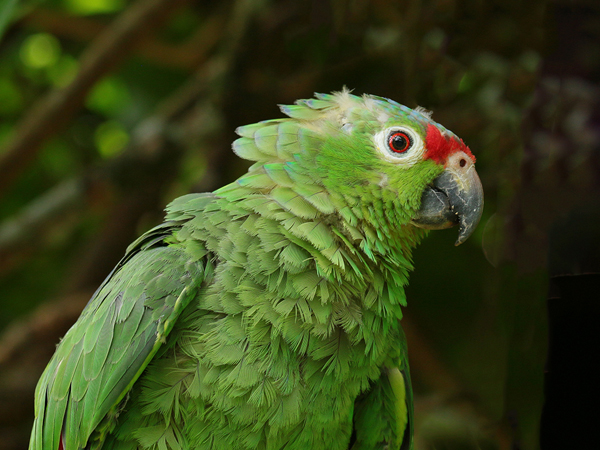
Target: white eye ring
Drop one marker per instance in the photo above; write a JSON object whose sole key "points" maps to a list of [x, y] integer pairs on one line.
{"points": [[410, 156]]}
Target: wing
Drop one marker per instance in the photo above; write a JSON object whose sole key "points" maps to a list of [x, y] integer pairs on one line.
{"points": [[117, 334], [383, 416]]}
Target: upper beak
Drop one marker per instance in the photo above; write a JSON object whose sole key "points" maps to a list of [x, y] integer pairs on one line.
{"points": [[455, 197]]}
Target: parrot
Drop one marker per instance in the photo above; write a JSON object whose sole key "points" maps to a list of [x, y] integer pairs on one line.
{"points": [[266, 314]]}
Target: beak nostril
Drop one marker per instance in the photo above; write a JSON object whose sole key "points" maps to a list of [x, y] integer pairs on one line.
{"points": [[463, 162]]}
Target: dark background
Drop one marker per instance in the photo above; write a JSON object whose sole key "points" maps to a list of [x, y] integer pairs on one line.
{"points": [[111, 108]]}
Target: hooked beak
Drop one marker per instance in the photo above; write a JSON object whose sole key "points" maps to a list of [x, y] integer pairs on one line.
{"points": [[454, 198]]}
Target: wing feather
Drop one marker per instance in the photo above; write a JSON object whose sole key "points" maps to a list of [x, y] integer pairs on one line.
{"points": [[383, 416], [122, 327]]}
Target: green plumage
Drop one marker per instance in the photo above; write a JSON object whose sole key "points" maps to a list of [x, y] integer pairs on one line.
{"points": [[263, 316]]}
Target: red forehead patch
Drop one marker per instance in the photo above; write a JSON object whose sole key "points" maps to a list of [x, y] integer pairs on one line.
{"points": [[439, 147]]}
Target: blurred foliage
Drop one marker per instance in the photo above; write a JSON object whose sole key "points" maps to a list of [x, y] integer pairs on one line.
{"points": [[160, 125], [7, 8]]}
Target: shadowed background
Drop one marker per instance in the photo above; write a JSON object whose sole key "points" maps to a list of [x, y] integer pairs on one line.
{"points": [[109, 109]]}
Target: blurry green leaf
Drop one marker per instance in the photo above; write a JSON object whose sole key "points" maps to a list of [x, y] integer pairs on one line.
{"points": [[63, 72], [6, 132], [183, 24], [530, 60], [11, 101], [380, 38], [85, 7], [40, 50], [109, 97], [435, 38], [110, 137], [6, 13], [466, 83], [492, 64], [57, 159], [491, 93], [193, 168]]}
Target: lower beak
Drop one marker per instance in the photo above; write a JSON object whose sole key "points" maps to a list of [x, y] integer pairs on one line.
{"points": [[454, 198]]}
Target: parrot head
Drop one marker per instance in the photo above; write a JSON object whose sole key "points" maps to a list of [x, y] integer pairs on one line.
{"points": [[390, 164]]}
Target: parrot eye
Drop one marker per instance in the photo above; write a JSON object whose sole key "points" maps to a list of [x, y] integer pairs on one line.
{"points": [[400, 145], [399, 142]]}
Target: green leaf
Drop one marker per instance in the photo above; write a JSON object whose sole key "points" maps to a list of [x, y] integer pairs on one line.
{"points": [[7, 8]]}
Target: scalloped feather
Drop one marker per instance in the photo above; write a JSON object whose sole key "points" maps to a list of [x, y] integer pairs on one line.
{"points": [[300, 111], [294, 202], [266, 139], [246, 148]]}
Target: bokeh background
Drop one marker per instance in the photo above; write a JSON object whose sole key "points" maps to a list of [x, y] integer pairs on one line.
{"points": [[111, 108]]}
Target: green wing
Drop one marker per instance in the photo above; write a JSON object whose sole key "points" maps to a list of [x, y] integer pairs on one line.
{"points": [[383, 416], [117, 334]]}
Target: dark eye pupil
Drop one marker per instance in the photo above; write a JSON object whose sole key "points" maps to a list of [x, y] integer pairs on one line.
{"points": [[399, 142]]}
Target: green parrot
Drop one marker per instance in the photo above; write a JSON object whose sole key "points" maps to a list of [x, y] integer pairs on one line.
{"points": [[266, 315]]}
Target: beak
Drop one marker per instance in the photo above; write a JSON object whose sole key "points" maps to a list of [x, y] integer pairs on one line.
{"points": [[454, 198]]}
